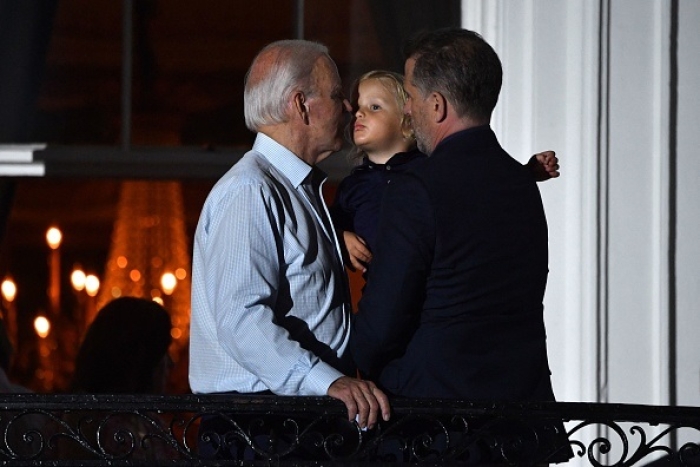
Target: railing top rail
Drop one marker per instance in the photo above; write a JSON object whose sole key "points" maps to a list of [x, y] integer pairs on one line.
{"points": [[128, 429], [689, 416]]}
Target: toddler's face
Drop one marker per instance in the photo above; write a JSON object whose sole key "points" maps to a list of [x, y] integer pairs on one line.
{"points": [[377, 118]]}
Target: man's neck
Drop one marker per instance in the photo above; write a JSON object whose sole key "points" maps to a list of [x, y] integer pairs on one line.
{"points": [[285, 136], [454, 125]]}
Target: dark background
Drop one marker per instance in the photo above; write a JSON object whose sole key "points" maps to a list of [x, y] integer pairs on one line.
{"points": [[60, 83]]}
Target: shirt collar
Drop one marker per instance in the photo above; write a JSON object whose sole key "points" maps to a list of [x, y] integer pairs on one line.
{"points": [[284, 160]]}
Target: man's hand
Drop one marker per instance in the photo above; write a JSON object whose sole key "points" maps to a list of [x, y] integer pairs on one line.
{"points": [[358, 253], [363, 399], [544, 165]]}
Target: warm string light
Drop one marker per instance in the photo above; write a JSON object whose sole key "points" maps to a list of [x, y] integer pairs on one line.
{"points": [[42, 326], [168, 282], [9, 290], [149, 254], [149, 257], [54, 237], [77, 279], [92, 285]]}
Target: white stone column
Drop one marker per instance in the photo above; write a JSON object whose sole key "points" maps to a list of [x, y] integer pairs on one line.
{"points": [[595, 81]]}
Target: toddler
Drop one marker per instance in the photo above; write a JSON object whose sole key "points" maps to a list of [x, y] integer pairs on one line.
{"points": [[384, 143]]}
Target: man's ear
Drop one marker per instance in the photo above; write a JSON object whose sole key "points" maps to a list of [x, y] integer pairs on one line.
{"points": [[300, 107], [438, 106]]}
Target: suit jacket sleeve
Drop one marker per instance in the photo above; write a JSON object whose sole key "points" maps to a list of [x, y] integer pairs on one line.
{"points": [[390, 308]]}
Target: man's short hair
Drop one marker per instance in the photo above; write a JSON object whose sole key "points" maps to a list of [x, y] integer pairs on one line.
{"points": [[266, 93], [460, 65]]}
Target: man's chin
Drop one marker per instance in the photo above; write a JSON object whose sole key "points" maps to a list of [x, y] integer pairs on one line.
{"points": [[424, 148]]}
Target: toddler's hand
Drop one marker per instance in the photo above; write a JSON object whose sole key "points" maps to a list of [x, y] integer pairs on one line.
{"points": [[357, 251], [544, 165]]}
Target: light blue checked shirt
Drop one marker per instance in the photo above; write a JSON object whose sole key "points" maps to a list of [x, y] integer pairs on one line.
{"points": [[270, 307]]}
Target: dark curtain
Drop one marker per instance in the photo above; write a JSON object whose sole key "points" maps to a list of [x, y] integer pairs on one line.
{"points": [[399, 20], [25, 31]]}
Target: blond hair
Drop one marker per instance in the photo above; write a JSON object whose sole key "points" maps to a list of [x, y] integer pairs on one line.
{"points": [[392, 82]]}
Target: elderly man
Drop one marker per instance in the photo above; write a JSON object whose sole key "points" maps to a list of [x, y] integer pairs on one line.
{"points": [[270, 309]]}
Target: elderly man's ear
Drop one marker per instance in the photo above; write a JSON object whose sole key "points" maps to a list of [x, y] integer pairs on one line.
{"points": [[301, 108]]}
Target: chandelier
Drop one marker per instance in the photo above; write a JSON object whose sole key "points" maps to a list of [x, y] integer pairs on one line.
{"points": [[149, 252]]}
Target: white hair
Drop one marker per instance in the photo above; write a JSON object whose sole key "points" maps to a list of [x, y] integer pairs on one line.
{"points": [[265, 98]]}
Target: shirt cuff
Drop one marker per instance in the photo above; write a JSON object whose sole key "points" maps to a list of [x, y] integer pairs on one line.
{"points": [[319, 379]]}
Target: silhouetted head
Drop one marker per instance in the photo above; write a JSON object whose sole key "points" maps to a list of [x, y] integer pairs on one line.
{"points": [[124, 348]]}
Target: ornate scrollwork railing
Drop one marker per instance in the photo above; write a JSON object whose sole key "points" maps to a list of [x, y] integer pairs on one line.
{"points": [[267, 430]]}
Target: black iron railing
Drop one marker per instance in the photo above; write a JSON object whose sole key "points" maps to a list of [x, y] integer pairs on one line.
{"points": [[268, 430]]}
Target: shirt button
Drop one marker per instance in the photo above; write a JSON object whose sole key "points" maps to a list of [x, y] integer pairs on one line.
{"points": [[388, 167]]}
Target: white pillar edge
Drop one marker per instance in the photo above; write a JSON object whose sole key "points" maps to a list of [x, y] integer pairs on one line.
{"points": [[660, 207], [602, 155], [487, 19], [586, 206], [585, 188]]}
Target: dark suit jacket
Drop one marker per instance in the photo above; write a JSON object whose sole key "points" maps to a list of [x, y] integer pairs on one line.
{"points": [[453, 304]]}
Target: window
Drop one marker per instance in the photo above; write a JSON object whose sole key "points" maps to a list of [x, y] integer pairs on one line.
{"points": [[179, 118]]}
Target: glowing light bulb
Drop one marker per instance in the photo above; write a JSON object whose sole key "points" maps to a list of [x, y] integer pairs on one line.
{"points": [[42, 326], [92, 285], [54, 237], [168, 281], [77, 279], [9, 290]]}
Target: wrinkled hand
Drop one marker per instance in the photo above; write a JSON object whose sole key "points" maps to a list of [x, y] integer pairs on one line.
{"points": [[364, 400], [357, 251], [544, 165]]}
